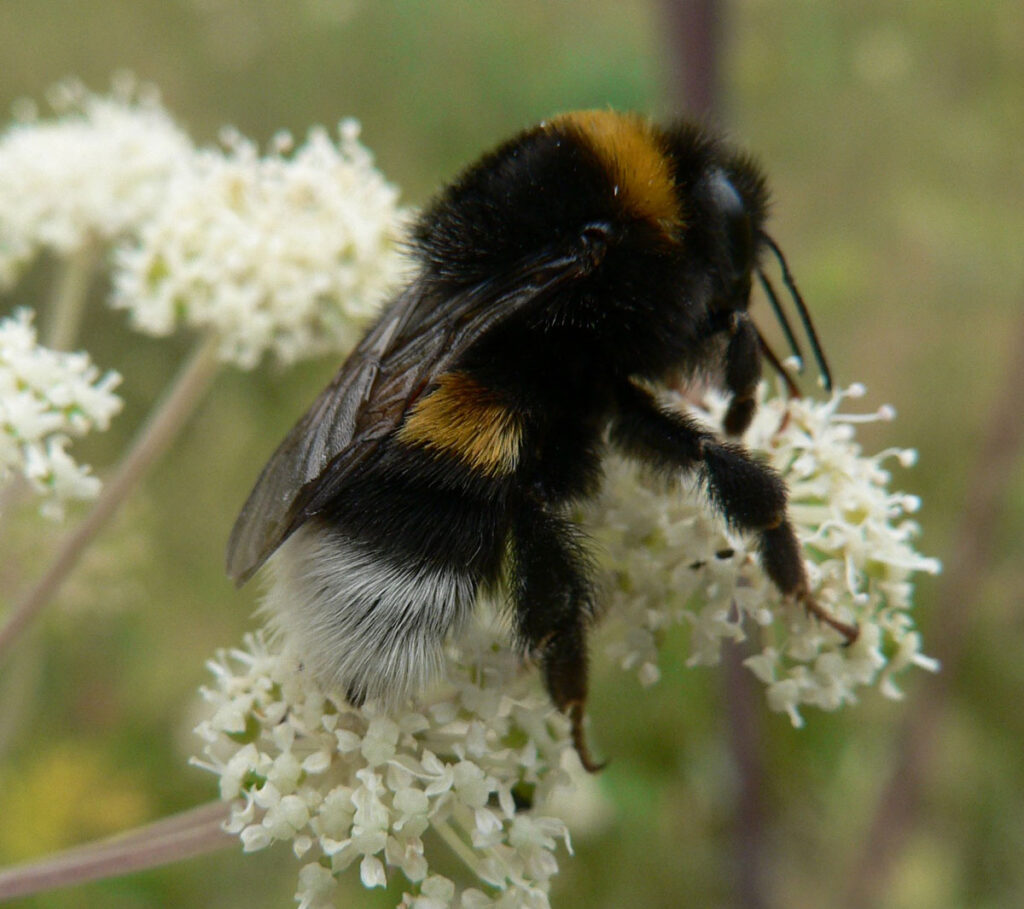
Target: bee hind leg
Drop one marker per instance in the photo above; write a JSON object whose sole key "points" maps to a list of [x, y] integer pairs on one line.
{"points": [[553, 600]]}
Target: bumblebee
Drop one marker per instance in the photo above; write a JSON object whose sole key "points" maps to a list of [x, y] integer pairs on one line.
{"points": [[559, 282]]}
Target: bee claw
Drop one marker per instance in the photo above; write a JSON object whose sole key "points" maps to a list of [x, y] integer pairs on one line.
{"points": [[579, 739], [848, 631]]}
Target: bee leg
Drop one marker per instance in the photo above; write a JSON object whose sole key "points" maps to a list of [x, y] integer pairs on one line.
{"points": [[742, 373], [553, 600], [748, 493], [783, 562]]}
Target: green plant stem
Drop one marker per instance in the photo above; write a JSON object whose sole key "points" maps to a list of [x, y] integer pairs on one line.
{"points": [[71, 293], [190, 833], [18, 688], [459, 846], [11, 495], [160, 430]]}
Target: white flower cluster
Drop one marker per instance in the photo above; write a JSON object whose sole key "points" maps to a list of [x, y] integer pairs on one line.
{"points": [[45, 398], [94, 173], [347, 786], [673, 561], [281, 253], [274, 253]]}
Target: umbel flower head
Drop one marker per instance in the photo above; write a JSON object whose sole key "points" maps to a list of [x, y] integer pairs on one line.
{"points": [[94, 173], [46, 397], [673, 560], [277, 253], [357, 787], [285, 253], [349, 786]]}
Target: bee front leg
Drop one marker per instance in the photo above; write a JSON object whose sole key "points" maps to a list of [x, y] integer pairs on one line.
{"points": [[742, 373], [746, 492], [553, 600]]}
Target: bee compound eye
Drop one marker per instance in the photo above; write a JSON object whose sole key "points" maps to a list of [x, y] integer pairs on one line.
{"points": [[725, 195]]}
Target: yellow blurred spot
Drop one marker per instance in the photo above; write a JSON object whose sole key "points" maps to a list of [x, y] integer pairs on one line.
{"points": [[68, 795]]}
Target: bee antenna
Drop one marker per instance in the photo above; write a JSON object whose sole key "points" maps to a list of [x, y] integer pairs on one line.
{"points": [[776, 364], [805, 316], [769, 292]]}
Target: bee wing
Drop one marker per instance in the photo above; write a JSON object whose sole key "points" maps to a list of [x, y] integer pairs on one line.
{"points": [[417, 338], [327, 428]]}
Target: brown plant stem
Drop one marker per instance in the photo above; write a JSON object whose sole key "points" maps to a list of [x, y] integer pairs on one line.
{"points": [[970, 556], [693, 30], [747, 747], [181, 836], [151, 441]]}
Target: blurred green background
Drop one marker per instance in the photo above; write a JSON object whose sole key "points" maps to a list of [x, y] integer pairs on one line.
{"points": [[893, 136]]}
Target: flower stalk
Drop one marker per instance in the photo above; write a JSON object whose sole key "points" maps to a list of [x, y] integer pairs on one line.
{"points": [[163, 426], [190, 833], [71, 293], [997, 463]]}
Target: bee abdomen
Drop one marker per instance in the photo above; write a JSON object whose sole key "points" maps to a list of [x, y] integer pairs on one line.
{"points": [[362, 621]]}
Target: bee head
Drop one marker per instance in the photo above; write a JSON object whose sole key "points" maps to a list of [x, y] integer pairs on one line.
{"points": [[739, 200], [663, 229], [737, 241]]}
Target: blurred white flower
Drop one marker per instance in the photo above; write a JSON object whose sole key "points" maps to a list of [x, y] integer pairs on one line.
{"points": [[95, 172], [356, 787], [45, 398], [280, 253], [673, 560]]}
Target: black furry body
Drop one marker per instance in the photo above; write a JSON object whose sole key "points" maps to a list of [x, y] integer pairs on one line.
{"points": [[560, 277]]}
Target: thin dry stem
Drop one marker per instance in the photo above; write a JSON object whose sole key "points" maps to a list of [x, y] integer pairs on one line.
{"points": [[998, 457], [152, 440], [190, 833], [747, 747]]}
